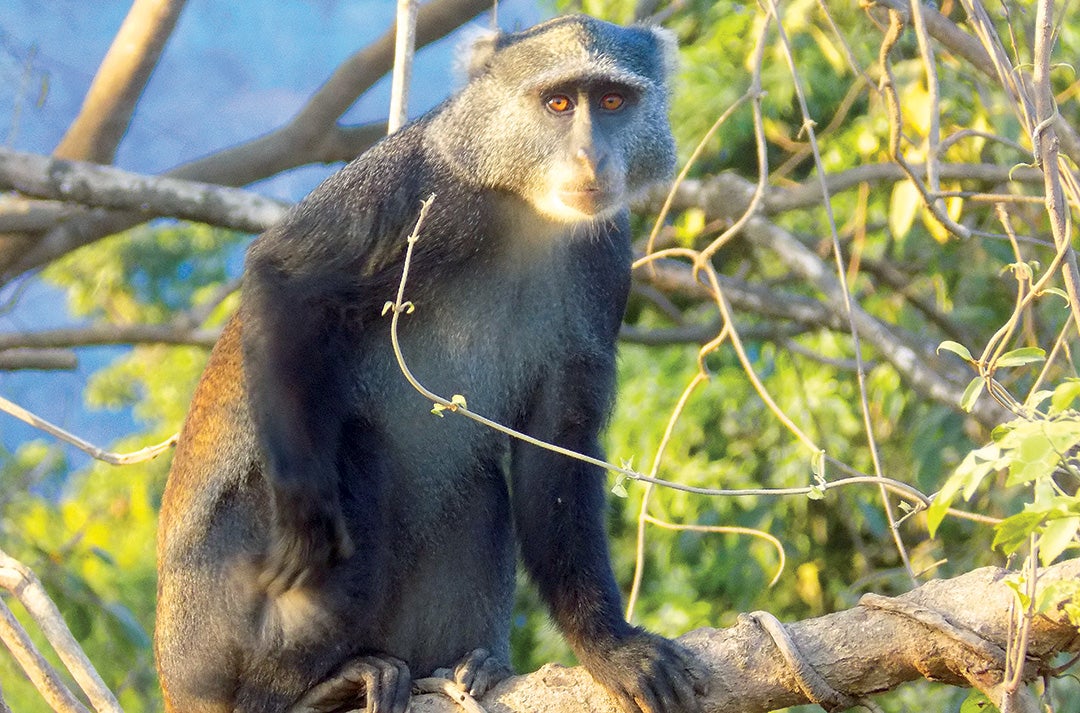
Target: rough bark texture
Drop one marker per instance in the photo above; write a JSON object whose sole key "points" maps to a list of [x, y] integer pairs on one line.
{"points": [[859, 652]]}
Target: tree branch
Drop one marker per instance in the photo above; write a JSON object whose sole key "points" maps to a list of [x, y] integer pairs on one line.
{"points": [[105, 334], [97, 186], [38, 359], [971, 49], [120, 80], [954, 631], [16, 578]]}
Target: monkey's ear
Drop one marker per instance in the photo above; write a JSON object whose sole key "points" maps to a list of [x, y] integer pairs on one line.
{"points": [[479, 46], [668, 45]]}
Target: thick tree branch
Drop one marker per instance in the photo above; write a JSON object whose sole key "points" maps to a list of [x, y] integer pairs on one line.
{"points": [[110, 103], [105, 334], [954, 631], [97, 186]]}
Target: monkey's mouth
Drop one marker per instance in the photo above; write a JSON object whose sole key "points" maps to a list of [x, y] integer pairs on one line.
{"points": [[589, 200]]}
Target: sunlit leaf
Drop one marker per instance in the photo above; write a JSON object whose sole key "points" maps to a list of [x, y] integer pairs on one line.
{"points": [[956, 348], [1019, 357]]}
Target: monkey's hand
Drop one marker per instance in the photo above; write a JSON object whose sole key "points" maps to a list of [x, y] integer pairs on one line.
{"points": [[309, 536], [647, 673]]}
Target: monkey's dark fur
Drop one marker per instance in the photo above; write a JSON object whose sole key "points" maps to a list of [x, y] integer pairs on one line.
{"points": [[323, 536]]}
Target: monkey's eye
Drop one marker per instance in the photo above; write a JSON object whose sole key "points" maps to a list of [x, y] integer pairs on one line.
{"points": [[612, 101], [559, 104]]}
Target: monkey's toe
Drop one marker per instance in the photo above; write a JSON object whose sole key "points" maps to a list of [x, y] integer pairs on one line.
{"points": [[477, 672], [381, 684]]}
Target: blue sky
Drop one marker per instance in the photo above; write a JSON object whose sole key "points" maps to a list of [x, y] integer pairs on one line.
{"points": [[231, 71]]}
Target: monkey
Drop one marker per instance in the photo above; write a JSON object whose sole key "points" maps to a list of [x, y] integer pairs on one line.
{"points": [[323, 537]]}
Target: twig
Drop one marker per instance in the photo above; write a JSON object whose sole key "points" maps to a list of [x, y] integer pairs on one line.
{"points": [[90, 449]]}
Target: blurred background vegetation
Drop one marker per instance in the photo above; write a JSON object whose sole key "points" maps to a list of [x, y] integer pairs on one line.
{"points": [[89, 531]]}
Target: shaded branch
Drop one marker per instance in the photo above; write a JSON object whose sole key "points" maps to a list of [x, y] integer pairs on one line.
{"points": [[106, 334], [38, 359]]}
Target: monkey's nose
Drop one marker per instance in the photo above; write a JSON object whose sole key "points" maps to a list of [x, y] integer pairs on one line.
{"points": [[588, 162]]}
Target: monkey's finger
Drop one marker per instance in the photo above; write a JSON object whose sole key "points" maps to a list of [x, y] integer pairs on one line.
{"points": [[650, 700], [404, 686], [468, 668], [491, 673], [627, 701], [686, 693]]}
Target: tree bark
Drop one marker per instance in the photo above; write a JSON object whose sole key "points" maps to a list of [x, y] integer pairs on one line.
{"points": [[954, 631]]}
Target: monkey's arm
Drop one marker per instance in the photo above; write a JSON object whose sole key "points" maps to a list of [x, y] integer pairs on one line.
{"points": [[559, 513], [296, 348]]}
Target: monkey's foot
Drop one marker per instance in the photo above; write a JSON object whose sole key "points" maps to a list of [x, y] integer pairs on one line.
{"points": [[373, 684], [477, 673]]}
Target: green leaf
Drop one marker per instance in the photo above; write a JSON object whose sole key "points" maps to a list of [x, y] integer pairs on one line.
{"points": [[1064, 395], [1019, 357], [817, 465], [1056, 291], [956, 348], [1035, 449], [977, 702], [1058, 535], [1062, 594], [619, 489], [972, 393], [1013, 532], [816, 493], [968, 475]]}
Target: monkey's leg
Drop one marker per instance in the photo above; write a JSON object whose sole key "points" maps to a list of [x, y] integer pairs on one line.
{"points": [[477, 673], [382, 683]]}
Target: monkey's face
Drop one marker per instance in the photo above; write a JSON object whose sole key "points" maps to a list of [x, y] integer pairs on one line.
{"points": [[571, 116], [588, 168]]}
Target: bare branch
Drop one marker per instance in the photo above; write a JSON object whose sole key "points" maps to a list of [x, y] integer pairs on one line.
{"points": [[25, 586], [110, 103], [93, 185], [46, 679], [90, 449], [104, 334], [38, 359]]}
